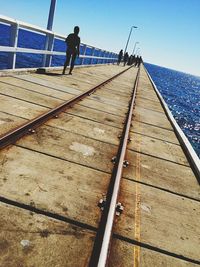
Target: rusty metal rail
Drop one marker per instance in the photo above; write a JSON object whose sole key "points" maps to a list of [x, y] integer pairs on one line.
{"points": [[29, 127], [102, 242]]}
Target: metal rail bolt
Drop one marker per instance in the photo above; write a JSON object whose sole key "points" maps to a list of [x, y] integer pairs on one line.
{"points": [[102, 202], [31, 131], [125, 163], [113, 160], [119, 209]]}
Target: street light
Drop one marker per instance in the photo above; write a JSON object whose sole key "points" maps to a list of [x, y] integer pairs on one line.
{"points": [[49, 38], [134, 47], [135, 27], [51, 15]]}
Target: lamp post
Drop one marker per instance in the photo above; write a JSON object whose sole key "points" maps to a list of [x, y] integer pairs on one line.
{"points": [[135, 27], [51, 15], [134, 47], [49, 37]]}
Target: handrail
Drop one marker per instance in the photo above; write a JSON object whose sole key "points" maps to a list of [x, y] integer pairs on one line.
{"points": [[25, 25], [10, 49], [13, 49]]}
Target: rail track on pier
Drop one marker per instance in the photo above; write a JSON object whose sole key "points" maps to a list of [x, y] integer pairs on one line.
{"points": [[71, 182], [33, 128]]}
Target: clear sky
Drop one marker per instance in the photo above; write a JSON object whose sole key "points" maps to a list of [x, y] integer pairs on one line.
{"points": [[168, 30]]}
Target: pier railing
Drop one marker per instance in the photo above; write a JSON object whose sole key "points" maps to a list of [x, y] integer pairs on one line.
{"points": [[88, 54]]}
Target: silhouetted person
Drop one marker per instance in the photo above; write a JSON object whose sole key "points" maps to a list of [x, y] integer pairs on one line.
{"points": [[140, 61], [130, 60], [73, 47], [126, 58], [120, 57], [137, 60], [134, 59]]}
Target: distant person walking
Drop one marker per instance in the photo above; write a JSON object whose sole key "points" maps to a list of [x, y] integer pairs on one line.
{"points": [[126, 56], [120, 57], [138, 61], [73, 48], [130, 60]]}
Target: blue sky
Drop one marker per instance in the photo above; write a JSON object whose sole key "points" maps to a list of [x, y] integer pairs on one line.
{"points": [[168, 30]]}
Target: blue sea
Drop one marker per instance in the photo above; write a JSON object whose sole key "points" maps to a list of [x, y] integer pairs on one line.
{"points": [[181, 91]]}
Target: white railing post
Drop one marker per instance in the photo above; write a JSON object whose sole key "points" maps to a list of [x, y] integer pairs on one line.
{"points": [[109, 56], [102, 55], [112, 58], [49, 36], [14, 30], [92, 54], [48, 46], [84, 51], [98, 56], [104, 60]]}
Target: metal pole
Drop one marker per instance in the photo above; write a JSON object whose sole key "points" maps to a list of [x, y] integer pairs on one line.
{"points": [[49, 41], [134, 47], [84, 51], [129, 38], [92, 54], [13, 42], [51, 15]]}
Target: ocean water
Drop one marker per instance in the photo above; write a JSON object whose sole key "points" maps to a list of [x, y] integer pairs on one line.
{"points": [[181, 92]]}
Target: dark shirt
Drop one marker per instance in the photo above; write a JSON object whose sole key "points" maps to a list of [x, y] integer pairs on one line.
{"points": [[73, 43], [126, 57], [120, 54]]}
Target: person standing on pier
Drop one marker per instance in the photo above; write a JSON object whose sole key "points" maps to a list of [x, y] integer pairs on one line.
{"points": [[73, 48], [126, 56], [120, 56]]}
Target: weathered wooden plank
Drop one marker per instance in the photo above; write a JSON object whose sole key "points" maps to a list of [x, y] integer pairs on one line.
{"points": [[152, 117], [163, 174], [28, 239], [157, 148], [155, 132], [20, 108], [123, 254], [52, 184], [72, 147], [164, 220]]}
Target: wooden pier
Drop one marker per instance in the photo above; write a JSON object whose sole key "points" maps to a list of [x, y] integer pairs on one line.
{"points": [[52, 178]]}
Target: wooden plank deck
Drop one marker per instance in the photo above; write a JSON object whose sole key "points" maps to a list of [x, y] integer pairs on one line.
{"points": [[64, 168]]}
